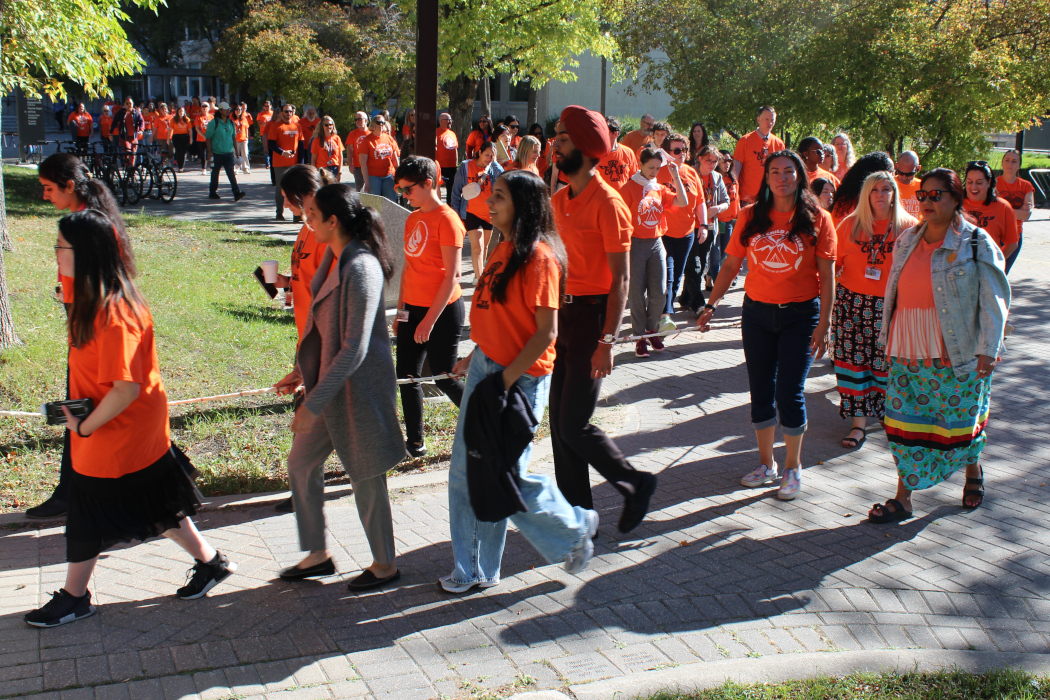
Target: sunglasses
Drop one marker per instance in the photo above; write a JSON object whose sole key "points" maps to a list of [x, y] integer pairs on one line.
{"points": [[403, 191], [932, 195], [512, 126], [381, 123], [679, 151], [905, 173], [288, 111]]}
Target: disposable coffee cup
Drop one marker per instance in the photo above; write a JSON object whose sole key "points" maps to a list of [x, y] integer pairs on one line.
{"points": [[269, 268]]}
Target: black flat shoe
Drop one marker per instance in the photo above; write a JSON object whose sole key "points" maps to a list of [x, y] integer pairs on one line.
{"points": [[636, 505], [285, 506], [51, 508], [367, 581], [294, 573]]}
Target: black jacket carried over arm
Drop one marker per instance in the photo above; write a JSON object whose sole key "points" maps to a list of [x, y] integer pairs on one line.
{"points": [[498, 427]]}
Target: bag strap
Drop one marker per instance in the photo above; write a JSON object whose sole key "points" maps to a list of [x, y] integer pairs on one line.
{"points": [[973, 245]]}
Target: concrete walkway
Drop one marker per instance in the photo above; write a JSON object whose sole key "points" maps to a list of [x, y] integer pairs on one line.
{"points": [[717, 572]]}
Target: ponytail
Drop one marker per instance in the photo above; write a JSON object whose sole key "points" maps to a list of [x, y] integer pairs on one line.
{"points": [[302, 180], [361, 223]]}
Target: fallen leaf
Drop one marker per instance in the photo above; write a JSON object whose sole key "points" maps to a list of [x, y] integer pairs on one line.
{"points": [[684, 543], [848, 515]]}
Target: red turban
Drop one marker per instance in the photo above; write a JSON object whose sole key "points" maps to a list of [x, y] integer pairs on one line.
{"points": [[588, 130]]}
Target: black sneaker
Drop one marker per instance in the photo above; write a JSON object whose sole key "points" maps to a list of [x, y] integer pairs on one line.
{"points": [[61, 609], [636, 505], [51, 508], [239, 196], [214, 196], [285, 506], [297, 219], [416, 449], [279, 217], [205, 576]]}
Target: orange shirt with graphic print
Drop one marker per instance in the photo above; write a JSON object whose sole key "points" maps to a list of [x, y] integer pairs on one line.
{"points": [[501, 330], [353, 141], [751, 151], [618, 166], [425, 235], [105, 124], [306, 258], [681, 220], [591, 224], [263, 119], [180, 127], [781, 270], [124, 350], [477, 206], [307, 127], [242, 125], [1014, 194], [648, 210], [287, 137], [854, 259], [997, 219], [329, 152], [381, 151], [447, 148], [734, 200], [907, 196], [162, 127], [201, 125], [84, 123]]}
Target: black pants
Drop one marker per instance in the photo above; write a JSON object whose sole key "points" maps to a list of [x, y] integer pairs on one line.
{"points": [[181, 142], [573, 397], [65, 472], [223, 161], [443, 351], [695, 268], [449, 176]]}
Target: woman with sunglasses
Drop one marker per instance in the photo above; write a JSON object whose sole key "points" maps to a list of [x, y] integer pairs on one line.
{"points": [[944, 315], [327, 149], [1020, 194], [479, 136], [988, 210], [682, 222], [378, 156], [481, 170]]}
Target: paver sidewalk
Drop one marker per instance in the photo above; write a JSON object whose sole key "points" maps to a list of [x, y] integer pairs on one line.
{"points": [[717, 571]]}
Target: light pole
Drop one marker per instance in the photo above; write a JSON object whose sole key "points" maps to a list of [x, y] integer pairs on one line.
{"points": [[426, 76]]}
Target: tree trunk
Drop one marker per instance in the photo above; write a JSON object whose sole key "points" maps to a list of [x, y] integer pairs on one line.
{"points": [[486, 97], [533, 115], [5, 236], [8, 337], [461, 92]]}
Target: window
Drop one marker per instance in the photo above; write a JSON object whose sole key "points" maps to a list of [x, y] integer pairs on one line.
{"points": [[519, 92], [494, 93]]}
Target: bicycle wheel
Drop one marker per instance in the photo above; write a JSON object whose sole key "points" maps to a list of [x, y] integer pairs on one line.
{"points": [[150, 181], [168, 185], [114, 181], [135, 184]]}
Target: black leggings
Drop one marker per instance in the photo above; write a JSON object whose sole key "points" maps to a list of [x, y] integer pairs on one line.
{"points": [[443, 351], [181, 142]]}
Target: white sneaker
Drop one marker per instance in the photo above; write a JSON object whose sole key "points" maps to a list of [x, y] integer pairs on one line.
{"points": [[577, 560], [450, 586], [790, 484], [666, 324], [761, 476]]}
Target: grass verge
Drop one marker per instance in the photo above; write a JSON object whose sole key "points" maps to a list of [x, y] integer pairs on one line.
{"points": [[216, 333]]}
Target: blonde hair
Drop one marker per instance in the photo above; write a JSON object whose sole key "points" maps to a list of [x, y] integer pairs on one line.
{"points": [[335, 129], [526, 147], [864, 220]]}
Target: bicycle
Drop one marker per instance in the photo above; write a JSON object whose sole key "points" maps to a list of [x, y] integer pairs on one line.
{"points": [[150, 175]]}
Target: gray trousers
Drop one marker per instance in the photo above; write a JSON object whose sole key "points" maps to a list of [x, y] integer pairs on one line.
{"points": [[278, 173], [648, 291], [306, 477], [359, 179]]}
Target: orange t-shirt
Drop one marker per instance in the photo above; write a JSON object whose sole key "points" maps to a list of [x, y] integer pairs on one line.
{"points": [[162, 125], [591, 224], [854, 259], [822, 173], [123, 349], [648, 211], [147, 120], [681, 220], [618, 166], [734, 200], [781, 270], [381, 152], [633, 141], [180, 127], [83, 122], [502, 330], [751, 151], [447, 148], [287, 137], [263, 119], [474, 141], [329, 152], [306, 258], [105, 123], [1014, 194], [907, 196], [241, 127], [425, 235], [997, 219], [194, 111], [353, 142], [201, 125], [477, 206], [307, 126]]}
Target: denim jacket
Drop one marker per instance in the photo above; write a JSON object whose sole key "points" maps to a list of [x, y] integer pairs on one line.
{"points": [[459, 204], [972, 299]]}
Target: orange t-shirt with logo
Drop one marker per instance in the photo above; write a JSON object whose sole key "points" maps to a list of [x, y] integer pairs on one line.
{"points": [[105, 123], [447, 148], [381, 151], [83, 121], [241, 126], [618, 166], [474, 141], [194, 111], [751, 151], [124, 350], [353, 142], [477, 206], [425, 235], [263, 119], [734, 200], [306, 258], [501, 330], [781, 270], [648, 210], [162, 127], [287, 137], [180, 127], [329, 152], [307, 126], [147, 120], [854, 259], [681, 220], [1014, 194], [591, 224], [997, 219], [201, 125], [907, 196]]}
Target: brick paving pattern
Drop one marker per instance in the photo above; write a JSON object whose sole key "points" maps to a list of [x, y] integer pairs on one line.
{"points": [[717, 571]]}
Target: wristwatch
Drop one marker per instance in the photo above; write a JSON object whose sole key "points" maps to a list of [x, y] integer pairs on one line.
{"points": [[608, 339], [712, 308]]}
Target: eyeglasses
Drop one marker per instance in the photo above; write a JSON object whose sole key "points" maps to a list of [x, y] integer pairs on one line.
{"points": [[63, 247], [288, 111], [712, 161], [360, 119], [332, 124], [932, 195], [905, 173], [679, 151]]}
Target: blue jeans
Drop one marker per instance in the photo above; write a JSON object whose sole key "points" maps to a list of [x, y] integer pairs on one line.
{"points": [[677, 252], [551, 524], [776, 351], [1013, 256], [382, 186], [223, 161]]}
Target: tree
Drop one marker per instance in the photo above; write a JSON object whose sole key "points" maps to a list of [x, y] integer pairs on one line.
{"points": [[159, 35], [48, 43]]}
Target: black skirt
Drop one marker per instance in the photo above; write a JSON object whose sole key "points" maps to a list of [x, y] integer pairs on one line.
{"points": [[134, 507]]}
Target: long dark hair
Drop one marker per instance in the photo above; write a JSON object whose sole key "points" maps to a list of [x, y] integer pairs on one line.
{"points": [[952, 184], [60, 168], [533, 223], [363, 223], [101, 281], [980, 166], [848, 191], [302, 180], [695, 148], [807, 208]]}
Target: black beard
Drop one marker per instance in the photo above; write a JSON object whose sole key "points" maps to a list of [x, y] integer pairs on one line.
{"points": [[572, 164]]}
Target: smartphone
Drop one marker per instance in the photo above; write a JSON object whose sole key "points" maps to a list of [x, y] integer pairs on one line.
{"points": [[78, 407], [269, 287]]}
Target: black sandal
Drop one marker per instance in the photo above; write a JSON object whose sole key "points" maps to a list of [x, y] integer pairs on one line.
{"points": [[974, 492], [850, 439], [889, 516]]}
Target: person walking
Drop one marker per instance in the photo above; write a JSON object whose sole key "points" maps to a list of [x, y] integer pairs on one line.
{"points": [[307, 127], [750, 155], [907, 169], [327, 149], [681, 224], [863, 258], [704, 258], [482, 171], [126, 483], [347, 369], [479, 136], [243, 121], [82, 124], [811, 150], [127, 125], [378, 156], [1020, 193], [649, 203], [219, 136], [262, 123], [987, 209], [353, 143], [514, 324], [595, 226], [105, 129], [430, 304], [620, 163], [947, 299], [283, 143], [162, 128], [789, 291], [447, 153], [846, 155], [200, 128], [698, 141], [181, 126], [633, 141]]}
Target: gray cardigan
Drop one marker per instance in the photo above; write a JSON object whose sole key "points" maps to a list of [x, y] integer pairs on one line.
{"points": [[347, 366]]}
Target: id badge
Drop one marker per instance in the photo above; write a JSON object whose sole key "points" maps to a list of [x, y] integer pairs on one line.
{"points": [[872, 273], [402, 315]]}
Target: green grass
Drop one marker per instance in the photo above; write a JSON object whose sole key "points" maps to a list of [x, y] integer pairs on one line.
{"points": [[216, 333], [1003, 684]]}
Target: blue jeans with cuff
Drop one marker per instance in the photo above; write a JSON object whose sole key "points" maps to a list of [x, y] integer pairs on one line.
{"points": [[677, 253]]}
